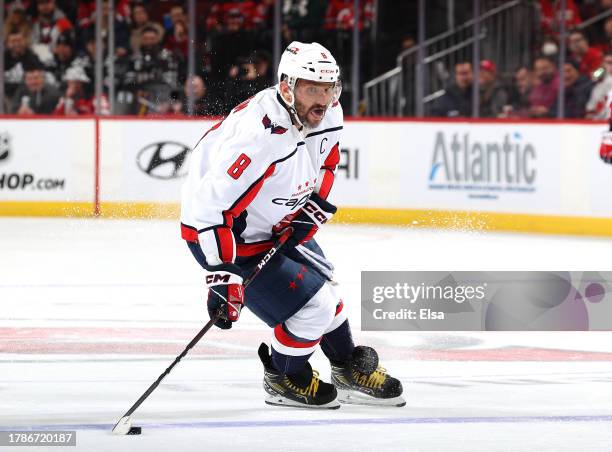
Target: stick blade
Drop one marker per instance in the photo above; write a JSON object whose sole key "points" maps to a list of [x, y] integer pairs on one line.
{"points": [[123, 426]]}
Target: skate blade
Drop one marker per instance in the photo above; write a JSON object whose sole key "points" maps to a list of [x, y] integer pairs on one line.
{"points": [[282, 401], [349, 397]]}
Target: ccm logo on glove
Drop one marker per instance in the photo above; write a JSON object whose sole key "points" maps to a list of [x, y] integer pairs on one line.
{"points": [[317, 215], [218, 279]]}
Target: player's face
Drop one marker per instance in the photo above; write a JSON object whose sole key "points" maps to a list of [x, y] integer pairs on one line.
{"points": [[312, 100]]}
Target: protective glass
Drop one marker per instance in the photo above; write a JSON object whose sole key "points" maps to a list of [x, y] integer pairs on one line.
{"points": [[323, 94]]}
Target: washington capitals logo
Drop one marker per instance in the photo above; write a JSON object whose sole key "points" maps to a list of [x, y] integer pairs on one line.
{"points": [[278, 130]]}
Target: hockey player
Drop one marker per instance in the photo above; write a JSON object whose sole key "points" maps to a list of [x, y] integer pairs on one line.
{"points": [[605, 150], [267, 166]]}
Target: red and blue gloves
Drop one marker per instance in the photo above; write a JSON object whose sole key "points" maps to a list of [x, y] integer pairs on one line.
{"points": [[306, 221], [225, 294]]}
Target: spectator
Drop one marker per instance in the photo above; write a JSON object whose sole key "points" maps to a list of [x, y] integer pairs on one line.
{"points": [[457, 100], [340, 15], [86, 12], [550, 14], [577, 91], [50, 23], [140, 21], [493, 96], [227, 15], [589, 58], [176, 14], [544, 93], [304, 19], [121, 29], [34, 95], [16, 20], [177, 41], [243, 82], [153, 73], [16, 56], [606, 45], [230, 41], [78, 99], [86, 59], [597, 107], [263, 63], [63, 57], [263, 15], [407, 42], [204, 103], [519, 93]]}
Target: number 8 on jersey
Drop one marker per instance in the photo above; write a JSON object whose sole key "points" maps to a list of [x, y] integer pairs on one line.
{"points": [[239, 166]]}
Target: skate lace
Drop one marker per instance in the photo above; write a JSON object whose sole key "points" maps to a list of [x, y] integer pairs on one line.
{"points": [[312, 388], [375, 380]]}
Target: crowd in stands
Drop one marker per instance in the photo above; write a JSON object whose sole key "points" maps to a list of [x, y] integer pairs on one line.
{"points": [[50, 49], [532, 91]]}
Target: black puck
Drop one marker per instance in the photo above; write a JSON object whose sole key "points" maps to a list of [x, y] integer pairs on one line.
{"points": [[135, 431]]}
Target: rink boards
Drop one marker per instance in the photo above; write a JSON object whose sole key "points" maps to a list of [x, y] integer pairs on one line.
{"points": [[543, 176]]}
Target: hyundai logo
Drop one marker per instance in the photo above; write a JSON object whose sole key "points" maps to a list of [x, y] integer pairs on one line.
{"points": [[5, 145], [163, 160]]}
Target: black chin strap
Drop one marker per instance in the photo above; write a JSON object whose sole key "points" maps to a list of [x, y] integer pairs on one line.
{"points": [[292, 112]]}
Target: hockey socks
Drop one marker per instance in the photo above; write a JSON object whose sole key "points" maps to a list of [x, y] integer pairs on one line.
{"points": [[287, 364], [338, 344]]}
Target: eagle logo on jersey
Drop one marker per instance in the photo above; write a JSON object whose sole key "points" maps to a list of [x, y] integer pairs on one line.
{"points": [[275, 129]]}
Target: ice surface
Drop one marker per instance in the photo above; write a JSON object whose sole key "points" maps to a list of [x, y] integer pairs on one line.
{"points": [[94, 310]]}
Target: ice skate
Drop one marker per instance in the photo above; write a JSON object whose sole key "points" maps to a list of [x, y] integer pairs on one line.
{"points": [[304, 390], [362, 381]]}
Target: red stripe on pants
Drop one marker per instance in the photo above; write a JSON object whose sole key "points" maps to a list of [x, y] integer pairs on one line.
{"points": [[287, 341]]}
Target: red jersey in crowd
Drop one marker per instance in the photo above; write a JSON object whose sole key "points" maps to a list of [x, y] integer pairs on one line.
{"points": [[590, 61], [86, 12], [222, 13], [551, 15], [340, 15], [81, 106], [48, 32]]}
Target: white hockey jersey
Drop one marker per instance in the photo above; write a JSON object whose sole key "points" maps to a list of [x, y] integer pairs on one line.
{"points": [[600, 102], [250, 171]]}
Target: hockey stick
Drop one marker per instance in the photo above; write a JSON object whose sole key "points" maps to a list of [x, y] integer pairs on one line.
{"points": [[124, 426]]}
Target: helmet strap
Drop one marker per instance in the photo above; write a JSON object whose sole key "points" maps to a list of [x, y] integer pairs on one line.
{"points": [[290, 104]]}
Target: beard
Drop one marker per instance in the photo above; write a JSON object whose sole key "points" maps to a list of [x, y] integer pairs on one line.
{"points": [[310, 117], [546, 78], [150, 50]]}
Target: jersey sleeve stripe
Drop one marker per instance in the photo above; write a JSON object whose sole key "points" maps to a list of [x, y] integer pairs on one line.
{"points": [[253, 249], [189, 233], [225, 244], [339, 307], [333, 158], [326, 183], [327, 176]]}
